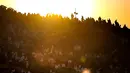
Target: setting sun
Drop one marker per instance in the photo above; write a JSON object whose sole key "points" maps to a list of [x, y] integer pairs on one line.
{"points": [[64, 36], [64, 7], [113, 9]]}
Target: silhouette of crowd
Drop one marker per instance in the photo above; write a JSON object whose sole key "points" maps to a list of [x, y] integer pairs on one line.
{"points": [[30, 43]]}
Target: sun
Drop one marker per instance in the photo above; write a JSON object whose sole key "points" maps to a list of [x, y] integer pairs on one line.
{"points": [[63, 7], [87, 7]]}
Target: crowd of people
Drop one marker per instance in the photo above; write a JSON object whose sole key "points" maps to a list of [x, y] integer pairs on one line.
{"points": [[30, 43]]}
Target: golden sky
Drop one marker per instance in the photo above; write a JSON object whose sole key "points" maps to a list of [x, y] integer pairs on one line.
{"points": [[114, 9]]}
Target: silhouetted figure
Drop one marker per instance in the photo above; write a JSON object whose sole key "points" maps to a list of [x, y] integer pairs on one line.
{"points": [[117, 24], [72, 16], [82, 18]]}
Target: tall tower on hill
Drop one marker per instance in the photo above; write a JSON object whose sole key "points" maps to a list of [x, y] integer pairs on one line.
{"points": [[75, 13]]}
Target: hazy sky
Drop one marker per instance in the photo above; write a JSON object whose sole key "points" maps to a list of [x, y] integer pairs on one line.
{"points": [[114, 9]]}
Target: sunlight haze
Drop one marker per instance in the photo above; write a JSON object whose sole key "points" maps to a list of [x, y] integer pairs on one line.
{"points": [[113, 9]]}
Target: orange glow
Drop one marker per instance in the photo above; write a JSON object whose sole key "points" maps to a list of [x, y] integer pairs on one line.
{"points": [[86, 71], [64, 7], [113, 9]]}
